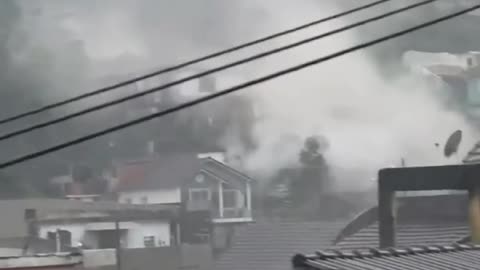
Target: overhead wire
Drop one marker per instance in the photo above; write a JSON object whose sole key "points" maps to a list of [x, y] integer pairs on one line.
{"points": [[235, 88], [189, 63], [211, 71]]}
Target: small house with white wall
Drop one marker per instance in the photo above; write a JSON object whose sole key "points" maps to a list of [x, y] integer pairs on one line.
{"points": [[188, 180], [107, 226]]}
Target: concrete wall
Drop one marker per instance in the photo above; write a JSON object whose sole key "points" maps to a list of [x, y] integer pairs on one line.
{"points": [[153, 197], [197, 257], [161, 232], [77, 230], [132, 232], [10, 252], [194, 257], [98, 257]]}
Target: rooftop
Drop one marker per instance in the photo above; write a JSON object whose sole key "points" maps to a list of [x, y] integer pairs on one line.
{"points": [[422, 220], [48, 260], [172, 171], [413, 234], [159, 172], [414, 258], [268, 245]]}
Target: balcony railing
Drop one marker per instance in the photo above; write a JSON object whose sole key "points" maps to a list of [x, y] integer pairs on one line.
{"points": [[233, 215], [222, 215]]}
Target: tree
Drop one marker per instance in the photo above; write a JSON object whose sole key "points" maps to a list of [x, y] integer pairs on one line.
{"points": [[313, 172]]}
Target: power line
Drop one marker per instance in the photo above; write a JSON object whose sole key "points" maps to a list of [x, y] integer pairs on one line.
{"points": [[189, 63], [210, 71], [233, 89]]}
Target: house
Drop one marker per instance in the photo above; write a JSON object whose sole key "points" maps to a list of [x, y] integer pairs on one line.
{"points": [[98, 228], [187, 180], [49, 225], [425, 258]]}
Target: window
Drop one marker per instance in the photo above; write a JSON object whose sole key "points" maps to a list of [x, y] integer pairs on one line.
{"points": [[199, 194], [144, 199], [149, 241]]}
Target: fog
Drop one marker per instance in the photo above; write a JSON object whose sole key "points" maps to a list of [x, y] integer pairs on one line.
{"points": [[370, 120]]}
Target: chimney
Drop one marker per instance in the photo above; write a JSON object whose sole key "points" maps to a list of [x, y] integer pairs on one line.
{"points": [[386, 214]]}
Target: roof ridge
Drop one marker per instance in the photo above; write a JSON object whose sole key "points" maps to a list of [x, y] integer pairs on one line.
{"points": [[235, 171], [332, 254]]}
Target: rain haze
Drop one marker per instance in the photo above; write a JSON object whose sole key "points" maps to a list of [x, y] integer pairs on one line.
{"points": [[252, 179], [368, 119]]}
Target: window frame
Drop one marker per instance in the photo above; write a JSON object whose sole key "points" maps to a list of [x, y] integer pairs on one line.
{"points": [[191, 191], [150, 239]]}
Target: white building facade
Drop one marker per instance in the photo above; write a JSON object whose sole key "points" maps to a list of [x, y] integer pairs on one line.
{"points": [[159, 196]]}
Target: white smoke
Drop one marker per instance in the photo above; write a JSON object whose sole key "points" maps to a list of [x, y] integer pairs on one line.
{"points": [[370, 122]]}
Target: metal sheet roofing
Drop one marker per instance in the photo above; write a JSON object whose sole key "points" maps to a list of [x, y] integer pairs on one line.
{"points": [[414, 234], [421, 220], [269, 245], [425, 258]]}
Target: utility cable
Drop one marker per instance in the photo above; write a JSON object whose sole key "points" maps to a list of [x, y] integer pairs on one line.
{"points": [[189, 63], [210, 71], [234, 88]]}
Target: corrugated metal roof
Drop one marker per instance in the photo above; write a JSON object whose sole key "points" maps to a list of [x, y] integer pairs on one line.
{"points": [[425, 258], [413, 234], [269, 245], [420, 220]]}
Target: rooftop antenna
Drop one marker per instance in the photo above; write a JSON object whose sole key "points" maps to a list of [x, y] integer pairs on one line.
{"points": [[452, 144]]}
